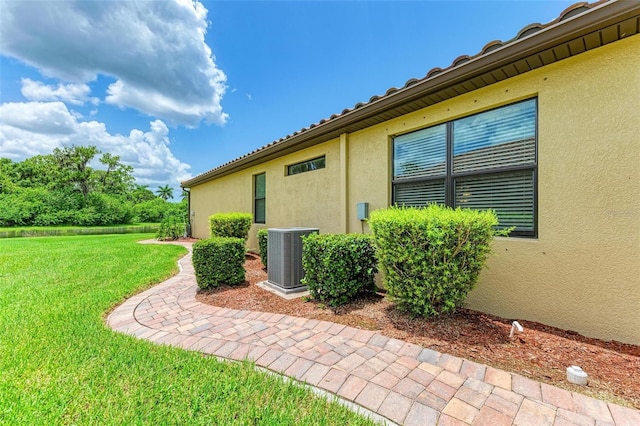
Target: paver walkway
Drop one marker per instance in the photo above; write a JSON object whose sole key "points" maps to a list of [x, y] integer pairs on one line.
{"points": [[402, 382]]}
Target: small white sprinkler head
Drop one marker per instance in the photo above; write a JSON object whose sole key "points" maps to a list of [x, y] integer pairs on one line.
{"points": [[515, 326], [576, 375]]}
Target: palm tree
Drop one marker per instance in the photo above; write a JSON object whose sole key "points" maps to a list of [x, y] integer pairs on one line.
{"points": [[165, 192]]}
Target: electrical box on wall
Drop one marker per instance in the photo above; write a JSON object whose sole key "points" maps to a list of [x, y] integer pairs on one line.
{"points": [[363, 211]]}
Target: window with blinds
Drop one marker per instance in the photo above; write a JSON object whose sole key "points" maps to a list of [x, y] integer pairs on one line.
{"points": [[420, 154], [484, 161]]}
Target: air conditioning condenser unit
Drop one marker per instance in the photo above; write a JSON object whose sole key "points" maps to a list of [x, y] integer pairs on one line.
{"points": [[284, 257]]}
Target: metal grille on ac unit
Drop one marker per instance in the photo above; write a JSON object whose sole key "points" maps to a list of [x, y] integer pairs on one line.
{"points": [[284, 251]]}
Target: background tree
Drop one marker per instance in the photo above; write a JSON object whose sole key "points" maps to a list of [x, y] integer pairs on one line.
{"points": [[117, 178], [63, 188], [73, 167], [38, 171], [7, 176], [141, 193], [165, 192]]}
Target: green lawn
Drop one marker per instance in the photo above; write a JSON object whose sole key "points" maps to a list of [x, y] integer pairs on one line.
{"points": [[48, 231], [60, 364]]}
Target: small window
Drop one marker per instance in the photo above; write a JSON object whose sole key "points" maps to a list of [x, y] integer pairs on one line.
{"points": [[259, 198], [306, 166]]}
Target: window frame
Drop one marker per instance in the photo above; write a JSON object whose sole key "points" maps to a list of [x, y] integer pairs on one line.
{"points": [[450, 177], [287, 168], [256, 198]]}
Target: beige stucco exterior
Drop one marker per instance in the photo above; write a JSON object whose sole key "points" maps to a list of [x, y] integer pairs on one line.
{"points": [[582, 272], [306, 199]]}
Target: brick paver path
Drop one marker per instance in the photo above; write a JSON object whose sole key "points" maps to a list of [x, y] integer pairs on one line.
{"points": [[402, 382]]}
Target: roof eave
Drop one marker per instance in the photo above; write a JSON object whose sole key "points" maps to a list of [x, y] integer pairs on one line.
{"points": [[587, 22]]}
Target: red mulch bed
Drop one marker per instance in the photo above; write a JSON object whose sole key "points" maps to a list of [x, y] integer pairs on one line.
{"points": [[542, 353]]}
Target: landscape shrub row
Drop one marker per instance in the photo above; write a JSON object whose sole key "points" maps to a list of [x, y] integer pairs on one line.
{"points": [[431, 257]]}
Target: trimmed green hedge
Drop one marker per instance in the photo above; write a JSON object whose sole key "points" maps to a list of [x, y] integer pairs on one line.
{"points": [[233, 224], [218, 260], [338, 267], [431, 257], [263, 236]]}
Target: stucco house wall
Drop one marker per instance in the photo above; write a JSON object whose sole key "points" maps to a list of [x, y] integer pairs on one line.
{"points": [[582, 271], [305, 199]]}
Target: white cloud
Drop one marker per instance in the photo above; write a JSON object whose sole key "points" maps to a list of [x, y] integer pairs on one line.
{"points": [[76, 94], [36, 128], [41, 118], [155, 50]]}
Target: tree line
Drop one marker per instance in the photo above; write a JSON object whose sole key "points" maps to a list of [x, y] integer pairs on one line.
{"points": [[61, 188]]}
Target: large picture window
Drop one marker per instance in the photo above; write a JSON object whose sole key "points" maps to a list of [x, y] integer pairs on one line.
{"points": [[259, 198], [484, 161]]}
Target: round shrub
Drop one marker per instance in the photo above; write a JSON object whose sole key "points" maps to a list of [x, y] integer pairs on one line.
{"points": [[233, 224], [171, 228], [218, 260], [431, 257], [338, 267], [263, 236]]}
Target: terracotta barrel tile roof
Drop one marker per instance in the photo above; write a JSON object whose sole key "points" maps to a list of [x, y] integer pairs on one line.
{"points": [[461, 61]]}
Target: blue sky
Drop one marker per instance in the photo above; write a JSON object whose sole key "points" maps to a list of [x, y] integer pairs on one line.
{"points": [[179, 87]]}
